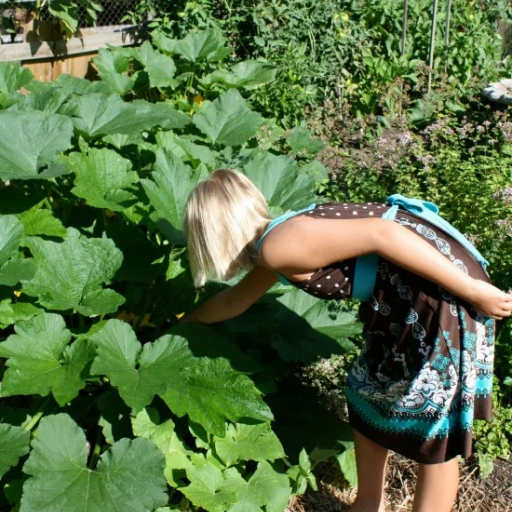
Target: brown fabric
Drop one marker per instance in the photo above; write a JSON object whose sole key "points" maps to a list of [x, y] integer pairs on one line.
{"points": [[426, 366]]}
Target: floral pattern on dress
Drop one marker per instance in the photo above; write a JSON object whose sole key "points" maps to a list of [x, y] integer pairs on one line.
{"points": [[434, 381]]}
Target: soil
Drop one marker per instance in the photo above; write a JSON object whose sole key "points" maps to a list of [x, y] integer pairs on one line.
{"points": [[493, 494]]}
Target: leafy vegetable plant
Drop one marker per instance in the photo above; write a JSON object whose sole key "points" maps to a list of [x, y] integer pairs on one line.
{"points": [[107, 401]]}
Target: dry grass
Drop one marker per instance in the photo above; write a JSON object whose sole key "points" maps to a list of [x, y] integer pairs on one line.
{"points": [[475, 495]]}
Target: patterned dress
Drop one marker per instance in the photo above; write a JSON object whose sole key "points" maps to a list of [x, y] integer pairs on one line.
{"points": [[425, 371]]}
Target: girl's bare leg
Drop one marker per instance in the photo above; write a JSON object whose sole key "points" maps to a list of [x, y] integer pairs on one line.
{"points": [[436, 488], [371, 470]]}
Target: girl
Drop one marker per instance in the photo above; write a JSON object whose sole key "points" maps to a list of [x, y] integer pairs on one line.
{"points": [[425, 371]]}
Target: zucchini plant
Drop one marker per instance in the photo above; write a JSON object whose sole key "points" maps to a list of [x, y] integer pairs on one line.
{"points": [[108, 402]]}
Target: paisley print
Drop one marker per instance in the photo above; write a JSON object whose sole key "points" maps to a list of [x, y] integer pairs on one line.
{"points": [[425, 370]]}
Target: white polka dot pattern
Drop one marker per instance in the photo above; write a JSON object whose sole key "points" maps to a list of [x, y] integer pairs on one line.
{"points": [[334, 282]]}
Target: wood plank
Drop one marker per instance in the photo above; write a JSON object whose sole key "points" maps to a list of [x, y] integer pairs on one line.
{"points": [[75, 46], [76, 65], [42, 70]]}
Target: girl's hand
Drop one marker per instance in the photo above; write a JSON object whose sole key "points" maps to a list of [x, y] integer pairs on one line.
{"points": [[491, 301]]}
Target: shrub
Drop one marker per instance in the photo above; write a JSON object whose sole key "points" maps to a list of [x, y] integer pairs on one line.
{"points": [[114, 402]]}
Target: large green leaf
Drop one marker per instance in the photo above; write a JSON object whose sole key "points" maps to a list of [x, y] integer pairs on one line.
{"points": [[129, 477], [42, 222], [29, 141], [207, 488], [50, 99], [70, 274], [303, 422], [211, 392], [103, 178], [12, 268], [139, 373], [13, 77], [248, 442], [73, 85], [98, 114], [147, 424], [67, 12], [308, 329], [168, 193], [15, 443], [40, 359], [347, 463], [280, 181], [206, 45], [16, 270], [248, 74], [11, 233], [11, 312], [186, 150], [228, 120], [112, 67], [266, 488], [159, 67]]}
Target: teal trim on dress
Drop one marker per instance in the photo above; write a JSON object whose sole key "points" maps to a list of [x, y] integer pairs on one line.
{"points": [[429, 212], [423, 428], [365, 275], [276, 222], [366, 266]]}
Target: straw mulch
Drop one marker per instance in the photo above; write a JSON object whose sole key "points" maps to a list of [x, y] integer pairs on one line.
{"points": [[475, 495]]}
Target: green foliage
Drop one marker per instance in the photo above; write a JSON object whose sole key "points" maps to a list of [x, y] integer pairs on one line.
{"points": [[348, 52], [70, 274], [94, 275], [15, 443], [461, 165], [129, 475], [228, 121], [42, 135], [41, 360], [494, 438]]}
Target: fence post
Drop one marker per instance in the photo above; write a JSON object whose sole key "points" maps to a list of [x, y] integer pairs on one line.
{"points": [[432, 45], [447, 30], [404, 28]]}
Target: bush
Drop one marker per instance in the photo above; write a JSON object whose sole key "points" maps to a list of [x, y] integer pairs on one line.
{"points": [[349, 51], [112, 400]]}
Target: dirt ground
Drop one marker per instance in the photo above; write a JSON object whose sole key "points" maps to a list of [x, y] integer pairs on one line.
{"points": [[475, 495]]}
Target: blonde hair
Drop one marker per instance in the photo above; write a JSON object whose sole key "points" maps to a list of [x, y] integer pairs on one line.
{"points": [[224, 218]]}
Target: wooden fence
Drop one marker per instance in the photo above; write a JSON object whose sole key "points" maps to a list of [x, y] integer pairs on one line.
{"points": [[49, 59]]}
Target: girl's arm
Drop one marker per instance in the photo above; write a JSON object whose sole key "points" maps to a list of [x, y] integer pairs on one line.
{"points": [[306, 244], [235, 300]]}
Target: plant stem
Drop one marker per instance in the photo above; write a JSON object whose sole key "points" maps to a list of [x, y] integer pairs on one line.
{"points": [[228, 7], [432, 45], [447, 30], [97, 450], [32, 422], [404, 28]]}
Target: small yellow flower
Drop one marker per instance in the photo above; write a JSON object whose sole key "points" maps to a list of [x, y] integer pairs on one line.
{"points": [[17, 294], [198, 99], [180, 315]]}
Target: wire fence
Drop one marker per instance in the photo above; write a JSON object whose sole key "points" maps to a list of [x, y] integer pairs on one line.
{"points": [[16, 14]]}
